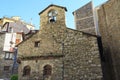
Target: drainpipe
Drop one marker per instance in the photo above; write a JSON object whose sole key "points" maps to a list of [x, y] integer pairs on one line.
{"points": [[14, 60], [63, 60]]}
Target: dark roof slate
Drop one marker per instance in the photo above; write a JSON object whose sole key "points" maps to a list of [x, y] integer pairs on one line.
{"points": [[17, 27], [53, 5]]}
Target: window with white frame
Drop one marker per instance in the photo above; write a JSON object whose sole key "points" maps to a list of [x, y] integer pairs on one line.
{"points": [[8, 55]]}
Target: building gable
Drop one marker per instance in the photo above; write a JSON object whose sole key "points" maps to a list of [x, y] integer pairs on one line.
{"points": [[53, 5]]}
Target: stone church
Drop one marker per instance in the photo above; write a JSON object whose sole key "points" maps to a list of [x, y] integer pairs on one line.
{"points": [[56, 52]]}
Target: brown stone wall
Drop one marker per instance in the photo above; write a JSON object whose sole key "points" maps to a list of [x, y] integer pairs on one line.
{"points": [[109, 25], [38, 66], [80, 61], [60, 16], [50, 38]]}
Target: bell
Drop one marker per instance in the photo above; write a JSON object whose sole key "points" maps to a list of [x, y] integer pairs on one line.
{"points": [[52, 20]]}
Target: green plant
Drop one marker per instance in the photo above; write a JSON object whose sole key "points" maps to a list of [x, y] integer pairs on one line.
{"points": [[14, 77]]}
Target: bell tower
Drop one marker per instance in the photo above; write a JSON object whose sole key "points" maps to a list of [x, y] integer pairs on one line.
{"points": [[53, 14]]}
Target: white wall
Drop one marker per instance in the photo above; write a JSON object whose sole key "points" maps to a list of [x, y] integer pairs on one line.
{"points": [[8, 38]]}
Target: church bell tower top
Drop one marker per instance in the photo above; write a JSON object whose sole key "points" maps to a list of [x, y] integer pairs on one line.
{"points": [[52, 14], [51, 6]]}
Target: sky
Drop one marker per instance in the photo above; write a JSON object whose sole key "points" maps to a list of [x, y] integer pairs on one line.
{"points": [[28, 9]]}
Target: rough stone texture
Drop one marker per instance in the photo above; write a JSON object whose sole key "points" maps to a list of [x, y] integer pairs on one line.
{"points": [[109, 25], [37, 69], [3, 62], [80, 60], [84, 18], [82, 57]]}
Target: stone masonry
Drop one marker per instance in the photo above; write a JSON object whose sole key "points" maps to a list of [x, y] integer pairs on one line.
{"points": [[72, 54], [4, 74], [109, 25], [84, 19]]}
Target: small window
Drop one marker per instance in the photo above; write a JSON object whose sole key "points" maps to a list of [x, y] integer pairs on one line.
{"points": [[37, 43], [47, 70], [10, 29], [52, 16], [26, 70], [6, 68], [8, 56]]}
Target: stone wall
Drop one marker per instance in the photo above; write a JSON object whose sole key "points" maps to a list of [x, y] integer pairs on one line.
{"points": [[44, 19], [38, 66], [50, 38], [81, 61], [84, 18], [4, 74], [109, 25], [2, 37], [75, 54]]}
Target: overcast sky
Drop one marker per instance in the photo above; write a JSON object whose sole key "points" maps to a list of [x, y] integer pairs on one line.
{"points": [[28, 9]]}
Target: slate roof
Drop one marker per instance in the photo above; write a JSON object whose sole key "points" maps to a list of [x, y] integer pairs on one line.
{"points": [[53, 5], [17, 27]]}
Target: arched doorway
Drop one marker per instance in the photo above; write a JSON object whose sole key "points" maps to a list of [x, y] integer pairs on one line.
{"points": [[47, 71], [26, 70]]}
